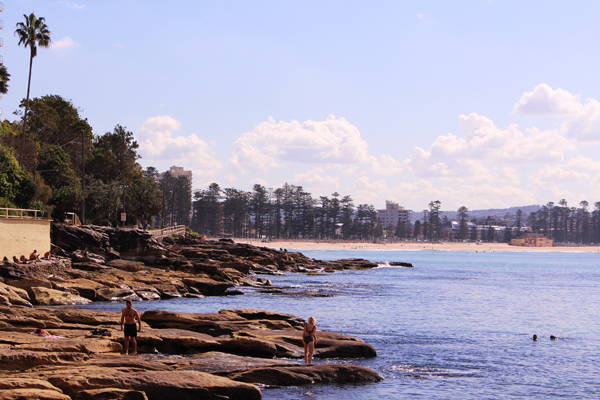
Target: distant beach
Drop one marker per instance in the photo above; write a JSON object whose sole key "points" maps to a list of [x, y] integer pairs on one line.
{"points": [[445, 246]]}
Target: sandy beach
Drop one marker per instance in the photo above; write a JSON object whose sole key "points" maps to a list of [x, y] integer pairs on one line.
{"points": [[446, 246]]}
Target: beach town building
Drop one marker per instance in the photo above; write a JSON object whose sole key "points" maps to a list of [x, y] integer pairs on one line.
{"points": [[393, 213], [532, 240]]}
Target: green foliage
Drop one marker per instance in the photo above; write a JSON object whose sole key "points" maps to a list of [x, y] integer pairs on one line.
{"points": [[4, 78], [16, 186]]}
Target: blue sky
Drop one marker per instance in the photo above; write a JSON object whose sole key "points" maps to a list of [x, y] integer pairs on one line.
{"points": [[475, 103]]}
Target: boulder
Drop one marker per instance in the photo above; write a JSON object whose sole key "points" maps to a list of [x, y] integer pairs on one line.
{"points": [[245, 346], [158, 385], [167, 291], [45, 296], [207, 286], [11, 296], [146, 292], [305, 374], [116, 294]]}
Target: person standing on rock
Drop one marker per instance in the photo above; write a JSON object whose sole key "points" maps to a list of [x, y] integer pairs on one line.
{"points": [[129, 315], [309, 339]]}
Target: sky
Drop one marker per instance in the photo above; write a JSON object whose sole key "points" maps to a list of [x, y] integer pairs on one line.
{"points": [[481, 103]]}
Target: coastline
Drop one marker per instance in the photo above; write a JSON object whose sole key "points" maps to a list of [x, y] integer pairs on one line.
{"points": [[408, 246]]}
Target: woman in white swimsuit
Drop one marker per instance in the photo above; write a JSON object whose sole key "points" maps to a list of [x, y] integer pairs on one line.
{"points": [[309, 339]]}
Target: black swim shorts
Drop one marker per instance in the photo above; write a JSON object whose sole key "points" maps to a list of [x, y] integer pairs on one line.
{"points": [[130, 330]]}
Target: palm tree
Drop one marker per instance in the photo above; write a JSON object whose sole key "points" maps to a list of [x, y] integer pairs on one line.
{"points": [[4, 78], [32, 33]]}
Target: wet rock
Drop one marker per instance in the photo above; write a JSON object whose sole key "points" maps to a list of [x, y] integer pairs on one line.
{"points": [[301, 375], [116, 294], [207, 286]]}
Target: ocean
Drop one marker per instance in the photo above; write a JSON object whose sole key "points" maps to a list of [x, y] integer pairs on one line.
{"points": [[458, 325]]}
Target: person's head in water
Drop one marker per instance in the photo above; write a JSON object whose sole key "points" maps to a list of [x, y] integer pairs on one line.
{"points": [[534, 337], [128, 304], [312, 320], [552, 337]]}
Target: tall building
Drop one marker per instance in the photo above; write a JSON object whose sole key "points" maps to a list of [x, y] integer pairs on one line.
{"points": [[178, 171], [392, 214]]}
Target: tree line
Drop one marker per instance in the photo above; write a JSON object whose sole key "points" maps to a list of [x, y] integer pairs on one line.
{"points": [[285, 212], [559, 222]]}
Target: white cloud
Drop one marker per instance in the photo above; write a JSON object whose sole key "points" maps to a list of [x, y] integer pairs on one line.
{"points": [[65, 43], [585, 125], [420, 15], [558, 174], [272, 143], [545, 101], [583, 120], [314, 180], [117, 45], [450, 156], [70, 5], [157, 144]]}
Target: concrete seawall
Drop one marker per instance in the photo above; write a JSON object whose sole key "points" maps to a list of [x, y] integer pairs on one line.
{"points": [[21, 236]]}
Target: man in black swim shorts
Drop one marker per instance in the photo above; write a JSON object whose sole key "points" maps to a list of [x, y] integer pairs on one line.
{"points": [[129, 316]]}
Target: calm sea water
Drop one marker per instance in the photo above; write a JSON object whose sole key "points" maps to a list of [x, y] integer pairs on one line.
{"points": [[457, 326]]}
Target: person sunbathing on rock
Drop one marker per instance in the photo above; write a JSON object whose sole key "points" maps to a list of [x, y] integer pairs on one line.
{"points": [[34, 257], [129, 315], [309, 339]]}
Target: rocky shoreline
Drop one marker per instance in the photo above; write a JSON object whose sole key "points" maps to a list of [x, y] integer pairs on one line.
{"points": [[182, 356], [222, 355]]}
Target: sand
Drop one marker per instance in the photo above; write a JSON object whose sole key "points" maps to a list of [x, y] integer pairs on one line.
{"points": [[452, 246]]}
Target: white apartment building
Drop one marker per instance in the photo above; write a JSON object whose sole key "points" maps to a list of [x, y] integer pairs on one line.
{"points": [[392, 214]]}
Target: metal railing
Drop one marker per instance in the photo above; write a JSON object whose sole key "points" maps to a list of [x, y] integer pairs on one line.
{"points": [[172, 230], [18, 213]]}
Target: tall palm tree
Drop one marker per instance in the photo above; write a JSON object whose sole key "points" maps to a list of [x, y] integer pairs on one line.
{"points": [[4, 78], [32, 33]]}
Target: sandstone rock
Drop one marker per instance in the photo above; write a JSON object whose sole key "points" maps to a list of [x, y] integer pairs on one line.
{"points": [[28, 282], [45, 296], [158, 385], [21, 360], [26, 383], [207, 286], [299, 375], [116, 294], [211, 324], [146, 292], [168, 291], [110, 394], [32, 394], [245, 346], [222, 363], [127, 265], [85, 287], [11, 296]]}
